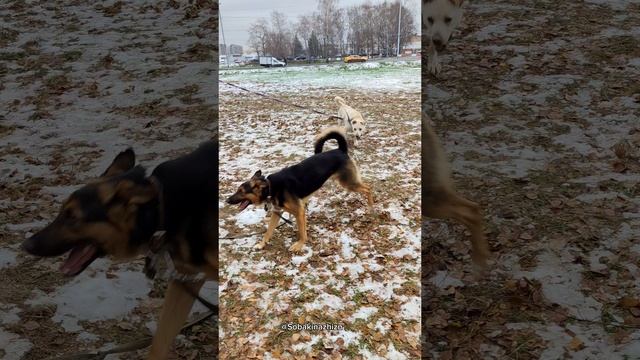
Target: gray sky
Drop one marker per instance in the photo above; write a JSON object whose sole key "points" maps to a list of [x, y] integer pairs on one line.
{"points": [[238, 15]]}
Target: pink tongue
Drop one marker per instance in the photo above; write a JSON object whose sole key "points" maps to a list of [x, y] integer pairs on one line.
{"points": [[78, 258], [244, 205]]}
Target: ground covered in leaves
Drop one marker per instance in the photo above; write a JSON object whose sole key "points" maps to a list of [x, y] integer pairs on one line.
{"points": [[538, 106], [80, 81], [360, 268]]}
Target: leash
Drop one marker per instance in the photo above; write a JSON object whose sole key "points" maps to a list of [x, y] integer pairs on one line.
{"points": [[132, 346], [212, 307], [279, 100], [159, 248], [353, 150]]}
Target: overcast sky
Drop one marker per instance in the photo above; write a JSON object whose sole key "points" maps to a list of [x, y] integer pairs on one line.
{"points": [[238, 15]]}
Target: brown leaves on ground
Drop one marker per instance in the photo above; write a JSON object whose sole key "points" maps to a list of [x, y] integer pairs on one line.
{"points": [[69, 103], [546, 140]]}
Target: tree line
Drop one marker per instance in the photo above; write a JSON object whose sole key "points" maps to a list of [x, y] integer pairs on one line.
{"points": [[333, 31]]}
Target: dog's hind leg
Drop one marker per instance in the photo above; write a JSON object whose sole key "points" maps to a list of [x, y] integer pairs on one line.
{"points": [[455, 207], [350, 179], [175, 310], [273, 222], [365, 190], [301, 220]]}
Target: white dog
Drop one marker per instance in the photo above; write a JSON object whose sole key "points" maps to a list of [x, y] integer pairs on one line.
{"points": [[441, 18], [351, 119]]}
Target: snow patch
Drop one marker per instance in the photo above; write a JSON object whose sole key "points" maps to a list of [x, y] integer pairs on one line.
{"points": [[13, 345], [91, 296], [7, 258]]}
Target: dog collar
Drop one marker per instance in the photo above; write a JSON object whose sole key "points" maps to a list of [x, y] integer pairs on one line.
{"points": [[159, 252], [269, 199]]}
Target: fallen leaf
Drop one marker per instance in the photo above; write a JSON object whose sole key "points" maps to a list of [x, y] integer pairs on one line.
{"points": [[576, 344], [31, 325], [629, 302]]}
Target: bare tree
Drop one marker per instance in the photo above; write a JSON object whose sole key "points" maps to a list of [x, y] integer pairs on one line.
{"points": [[373, 29], [327, 14], [280, 38], [258, 36], [303, 28], [361, 29], [341, 30]]}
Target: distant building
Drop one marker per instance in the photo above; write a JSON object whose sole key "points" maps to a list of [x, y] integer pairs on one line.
{"points": [[235, 49], [412, 46], [223, 49]]}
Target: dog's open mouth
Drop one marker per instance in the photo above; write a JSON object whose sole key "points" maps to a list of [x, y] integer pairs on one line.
{"points": [[79, 258], [243, 205]]}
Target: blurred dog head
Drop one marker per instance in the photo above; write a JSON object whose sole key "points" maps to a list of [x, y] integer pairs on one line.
{"points": [[114, 215], [441, 18], [251, 192], [357, 128]]}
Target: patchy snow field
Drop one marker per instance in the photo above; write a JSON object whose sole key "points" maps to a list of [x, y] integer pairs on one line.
{"points": [[539, 109], [80, 81], [359, 269]]}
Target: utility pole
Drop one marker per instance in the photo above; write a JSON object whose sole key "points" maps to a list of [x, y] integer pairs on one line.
{"points": [[399, 16], [226, 46]]}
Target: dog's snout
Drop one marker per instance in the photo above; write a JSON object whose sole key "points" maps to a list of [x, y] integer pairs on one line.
{"points": [[438, 42], [29, 245], [232, 199]]}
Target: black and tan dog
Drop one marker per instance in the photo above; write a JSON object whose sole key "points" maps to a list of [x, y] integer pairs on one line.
{"points": [[118, 214], [289, 188], [441, 201]]}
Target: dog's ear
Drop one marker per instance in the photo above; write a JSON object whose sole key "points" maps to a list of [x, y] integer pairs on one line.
{"points": [[137, 193], [257, 175], [123, 162], [128, 190]]}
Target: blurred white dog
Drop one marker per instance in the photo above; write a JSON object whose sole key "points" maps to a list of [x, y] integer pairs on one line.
{"points": [[441, 18], [351, 119]]}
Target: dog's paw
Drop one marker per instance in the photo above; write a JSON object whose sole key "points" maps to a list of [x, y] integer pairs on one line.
{"points": [[259, 246], [296, 247], [434, 67]]}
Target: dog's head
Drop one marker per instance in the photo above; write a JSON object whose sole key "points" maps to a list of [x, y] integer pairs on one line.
{"points": [[358, 128], [255, 191], [441, 18], [115, 215]]}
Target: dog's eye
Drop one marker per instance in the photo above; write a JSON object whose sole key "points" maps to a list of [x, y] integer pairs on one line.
{"points": [[430, 20], [447, 20], [70, 215]]}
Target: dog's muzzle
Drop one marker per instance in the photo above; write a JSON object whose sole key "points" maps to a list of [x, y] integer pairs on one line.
{"points": [[439, 45]]}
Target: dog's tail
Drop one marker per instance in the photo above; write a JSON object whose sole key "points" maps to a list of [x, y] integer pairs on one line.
{"points": [[340, 101], [334, 132]]}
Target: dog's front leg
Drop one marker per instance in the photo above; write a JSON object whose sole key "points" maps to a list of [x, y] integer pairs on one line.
{"points": [[301, 220], [175, 310], [433, 63], [273, 222]]}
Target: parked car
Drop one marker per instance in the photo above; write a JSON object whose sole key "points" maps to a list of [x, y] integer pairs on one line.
{"points": [[300, 58], [354, 58], [270, 61]]}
